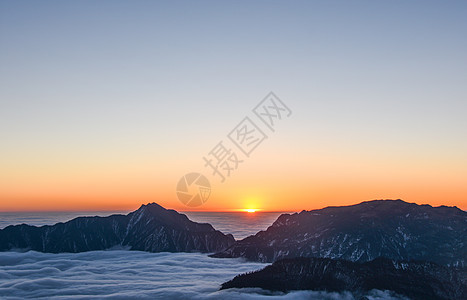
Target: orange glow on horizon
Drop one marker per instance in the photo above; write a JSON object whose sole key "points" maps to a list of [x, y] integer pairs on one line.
{"points": [[250, 210], [259, 185]]}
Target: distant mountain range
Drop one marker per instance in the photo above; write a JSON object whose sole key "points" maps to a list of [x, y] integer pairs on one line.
{"points": [[416, 280], [381, 228], [151, 228], [414, 250]]}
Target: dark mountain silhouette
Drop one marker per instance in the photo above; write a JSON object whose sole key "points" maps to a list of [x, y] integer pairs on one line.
{"points": [[151, 228], [382, 228], [417, 280]]}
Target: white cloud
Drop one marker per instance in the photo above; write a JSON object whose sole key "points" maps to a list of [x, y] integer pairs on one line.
{"points": [[123, 274]]}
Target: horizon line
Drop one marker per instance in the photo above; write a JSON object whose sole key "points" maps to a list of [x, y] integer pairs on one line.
{"points": [[129, 211]]}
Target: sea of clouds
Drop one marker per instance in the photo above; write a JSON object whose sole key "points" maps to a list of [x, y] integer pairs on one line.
{"points": [[121, 274]]}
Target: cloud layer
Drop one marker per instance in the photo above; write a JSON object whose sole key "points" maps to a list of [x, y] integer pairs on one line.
{"points": [[120, 274]]}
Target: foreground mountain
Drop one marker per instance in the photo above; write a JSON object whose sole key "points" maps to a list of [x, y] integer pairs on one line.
{"points": [[382, 228], [150, 228], [416, 280]]}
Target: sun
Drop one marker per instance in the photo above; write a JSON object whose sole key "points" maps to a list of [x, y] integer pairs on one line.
{"points": [[250, 210]]}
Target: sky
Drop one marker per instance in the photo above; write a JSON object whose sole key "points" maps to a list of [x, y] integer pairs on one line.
{"points": [[106, 105]]}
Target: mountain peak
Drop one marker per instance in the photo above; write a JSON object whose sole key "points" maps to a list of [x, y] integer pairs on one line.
{"points": [[151, 205]]}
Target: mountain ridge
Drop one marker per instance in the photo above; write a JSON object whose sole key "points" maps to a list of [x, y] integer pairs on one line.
{"points": [[361, 232], [416, 279], [150, 228]]}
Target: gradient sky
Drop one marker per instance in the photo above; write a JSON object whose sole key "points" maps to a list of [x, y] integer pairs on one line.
{"points": [[106, 104]]}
